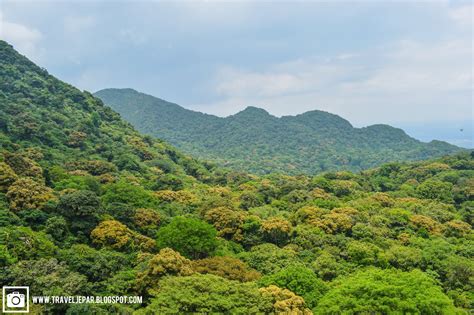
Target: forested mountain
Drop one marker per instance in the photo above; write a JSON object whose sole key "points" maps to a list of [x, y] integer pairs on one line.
{"points": [[90, 207], [257, 142]]}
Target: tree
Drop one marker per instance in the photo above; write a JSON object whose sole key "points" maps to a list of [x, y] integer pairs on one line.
{"points": [[403, 257], [23, 166], [250, 199], [82, 209], [284, 301], [96, 309], [181, 196], [57, 227], [339, 220], [24, 243], [5, 257], [386, 291], [121, 212], [26, 193], [77, 139], [97, 265], [251, 231], [363, 253], [276, 230], [168, 181], [327, 267], [48, 277], [7, 176], [459, 273], [166, 263], [115, 235], [226, 267], [343, 188], [112, 234], [147, 221], [206, 294], [296, 196], [93, 167], [269, 258], [79, 204], [228, 222], [457, 228], [128, 193], [191, 237], [422, 222], [435, 189], [300, 280]]}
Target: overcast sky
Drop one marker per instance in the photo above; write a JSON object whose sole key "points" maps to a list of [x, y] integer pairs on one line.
{"points": [[406, 63]]}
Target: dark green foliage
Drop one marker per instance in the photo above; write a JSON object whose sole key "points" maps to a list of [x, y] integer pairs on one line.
{"points": [[121, 212], [191, 237], [300, 280], [257, 142], [386, 291], [70, 126], [128, 194], [269, 258], [82, 208], [434, 189], [23, 243], [5, 257], [48, 277], [79, 204], [206, 294], [57, 227], [69, 166], [97, 265]]}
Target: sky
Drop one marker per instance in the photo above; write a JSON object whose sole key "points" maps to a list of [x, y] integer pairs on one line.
{"points": [[404, 63]]}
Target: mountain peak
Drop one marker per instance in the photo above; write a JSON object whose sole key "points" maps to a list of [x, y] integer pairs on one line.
{"points": [[253, 112], [318, 118], [119, 90], [4, 45], [257, 141]]}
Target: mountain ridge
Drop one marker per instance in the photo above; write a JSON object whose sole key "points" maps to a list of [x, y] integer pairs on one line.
{"points": [[255, 109], [57, 118], [258, 142], [91, 207]]}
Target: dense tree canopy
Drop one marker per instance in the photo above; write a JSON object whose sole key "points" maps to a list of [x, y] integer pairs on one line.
{"points": [[191, 237], [206, 294], [89, 206], [386, 291], [257, 142]]}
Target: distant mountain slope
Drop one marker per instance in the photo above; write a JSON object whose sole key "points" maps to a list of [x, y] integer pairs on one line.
{"points": [[68, 127], [89, 206], [255, 141]]}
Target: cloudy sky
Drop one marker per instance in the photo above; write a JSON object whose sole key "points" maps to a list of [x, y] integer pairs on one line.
{"points": [[405, 63]]}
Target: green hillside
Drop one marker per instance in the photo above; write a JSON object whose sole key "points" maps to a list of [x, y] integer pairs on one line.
{"points": [[257, 142], [90, 207]]}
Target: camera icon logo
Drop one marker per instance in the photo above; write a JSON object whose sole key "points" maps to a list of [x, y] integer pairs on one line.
{"points": [[16, 299]]}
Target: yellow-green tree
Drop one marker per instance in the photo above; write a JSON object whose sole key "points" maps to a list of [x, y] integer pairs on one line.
{"points": [[226, 267], [26, 193], [284, 301], [7, 176], [115, 235]]}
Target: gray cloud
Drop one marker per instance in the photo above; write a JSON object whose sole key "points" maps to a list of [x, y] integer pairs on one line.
{"points": [[368, 61]]}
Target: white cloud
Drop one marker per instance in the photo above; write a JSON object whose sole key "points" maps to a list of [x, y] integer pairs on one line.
{"points": [[133, 36], [462, 15], [288, 78], [244, 83], [76, 24], [22, 37], [405, 81], [423, 68]]}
